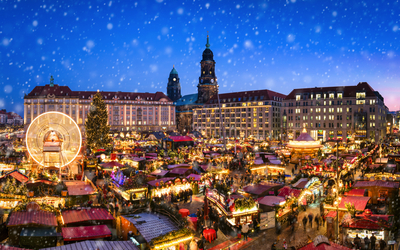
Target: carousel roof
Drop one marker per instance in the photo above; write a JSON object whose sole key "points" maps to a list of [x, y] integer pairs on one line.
{"points": [[304, 141]]}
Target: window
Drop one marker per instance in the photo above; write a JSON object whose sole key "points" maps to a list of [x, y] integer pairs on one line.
{"points": [[318, 96], [339, 95], [298, 97], [331, 95]]}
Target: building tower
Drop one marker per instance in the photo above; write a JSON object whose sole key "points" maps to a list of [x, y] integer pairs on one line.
{"points": [[174, 87], [208, 85]]}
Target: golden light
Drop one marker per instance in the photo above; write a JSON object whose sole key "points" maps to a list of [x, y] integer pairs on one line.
{"points": [[55, 135]]}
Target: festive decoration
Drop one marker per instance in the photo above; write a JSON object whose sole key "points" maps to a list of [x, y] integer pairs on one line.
{"points": [[97, 129]]}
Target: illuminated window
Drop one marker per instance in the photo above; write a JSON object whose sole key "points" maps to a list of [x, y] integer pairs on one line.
{"points": [[298, 97]]}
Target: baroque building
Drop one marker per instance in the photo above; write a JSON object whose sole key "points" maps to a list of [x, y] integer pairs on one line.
{"points": [[207, 88], [127, 111]]}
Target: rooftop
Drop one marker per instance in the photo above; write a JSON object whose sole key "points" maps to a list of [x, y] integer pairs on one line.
{"points": [[245, 96]]}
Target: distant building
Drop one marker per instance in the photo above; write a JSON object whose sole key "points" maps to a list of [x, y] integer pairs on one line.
{"points": [[174, 86], [127, 111], [356, 112], [254, 113], [10, 118]]}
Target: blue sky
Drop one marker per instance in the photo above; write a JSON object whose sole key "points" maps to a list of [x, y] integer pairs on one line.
{"points": [[132, 46]]}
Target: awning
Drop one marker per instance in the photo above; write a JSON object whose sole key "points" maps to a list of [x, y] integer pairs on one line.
{"points": [[85, 233], [92, 214], [359, 202]]}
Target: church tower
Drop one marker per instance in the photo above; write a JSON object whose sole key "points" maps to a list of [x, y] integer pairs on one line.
{"points": [[174, 87], [208, 85]]}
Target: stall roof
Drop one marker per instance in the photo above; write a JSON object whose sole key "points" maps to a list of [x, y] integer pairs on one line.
{"points": [[359, 202], [159, 172], [38, 217], [95, 245], [300, 183], [365, 223], [331, 214], [111, 164], [356, 192], [271, 200], [180, 138], [154, 182], [16, 175], [196, 177], [179, 171], [287, 191], [178, 165], [73, 216], [259, 188], [324, 246], [377, 183], [85, 233], [150, 225], [78, 188]]}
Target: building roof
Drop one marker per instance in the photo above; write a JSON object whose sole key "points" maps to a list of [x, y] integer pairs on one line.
{"points": [[173, 71], [37, 217], [85, 233], [56, 90], [79, 188], [151, 225], [96, 245], [87, 214], [377, 183], [244, 96], [348, 91], [187, 100], [359, 202]]}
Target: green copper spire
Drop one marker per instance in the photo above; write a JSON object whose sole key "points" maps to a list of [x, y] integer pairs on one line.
{"points": [[51, 81], [208, 42]]}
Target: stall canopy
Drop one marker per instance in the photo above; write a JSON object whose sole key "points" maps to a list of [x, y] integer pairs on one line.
{"points": [[37, 217], [364, 222], [356, 192], [79, 188], [180, 138], [94, 244], [111, 165], [196, 177], [179, 171], [85, 233], [178, 166], [154, 182], [159, 172], [259, 188], [271, 200], [73, 216], [359, 202]]}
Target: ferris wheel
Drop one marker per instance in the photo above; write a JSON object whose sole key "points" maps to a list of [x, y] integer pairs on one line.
{"points": [[53, 139]]}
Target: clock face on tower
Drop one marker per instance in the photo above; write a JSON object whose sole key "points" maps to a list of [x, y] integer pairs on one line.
{"points": [[174, 79]]}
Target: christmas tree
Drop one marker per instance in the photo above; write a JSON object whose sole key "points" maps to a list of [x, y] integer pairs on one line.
{"points": [[96, 125]]}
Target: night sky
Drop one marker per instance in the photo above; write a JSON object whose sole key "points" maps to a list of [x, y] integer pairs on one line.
{"points": [[132, 46]]}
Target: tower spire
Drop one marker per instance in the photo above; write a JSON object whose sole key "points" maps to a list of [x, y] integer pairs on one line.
{"points": [[208, 41]]}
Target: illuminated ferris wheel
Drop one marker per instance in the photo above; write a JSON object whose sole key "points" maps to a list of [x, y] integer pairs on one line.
{"points": [[53, 139]]}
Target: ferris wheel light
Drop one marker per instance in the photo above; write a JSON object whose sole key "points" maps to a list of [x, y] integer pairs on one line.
{"points": [[70, 133]]}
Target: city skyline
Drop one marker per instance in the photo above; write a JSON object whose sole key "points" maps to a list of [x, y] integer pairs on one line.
{"points": [[118, 46]]}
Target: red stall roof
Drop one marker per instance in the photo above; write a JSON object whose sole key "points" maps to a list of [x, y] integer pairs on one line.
{"points": [[181, 138], [159, 172], [85, 233], [258, 189], [196, 177], [165, 179], [359, 202], [38, 217], [17, 175], [78, 188], [365, 223], [356, 192], [72, 216], [378, 183], [180, 171], [286, 191], [324, 246]]}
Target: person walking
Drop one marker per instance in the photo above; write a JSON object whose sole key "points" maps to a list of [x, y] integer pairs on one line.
{"points": [[310, 219], [304, 222], [373, 241], [357, 242], [317, 221], [245, 230], [366, 242], [382, 244]]}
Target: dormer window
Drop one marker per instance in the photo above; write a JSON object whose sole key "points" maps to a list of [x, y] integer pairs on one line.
{"points": [[298, 97]]}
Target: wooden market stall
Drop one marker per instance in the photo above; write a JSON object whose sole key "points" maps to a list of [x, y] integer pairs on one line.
{"points": [[262, 189]]}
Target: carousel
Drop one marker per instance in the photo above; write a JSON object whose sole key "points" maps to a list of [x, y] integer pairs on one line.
{"points": [[303, 146]]}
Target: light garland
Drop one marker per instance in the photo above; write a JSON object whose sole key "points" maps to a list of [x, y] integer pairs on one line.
{"points": [[165, 245]]}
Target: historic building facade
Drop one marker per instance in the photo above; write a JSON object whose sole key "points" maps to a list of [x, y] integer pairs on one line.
{"points": [[356, 112], [127, 111], [241, 114], [207, 88]]}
